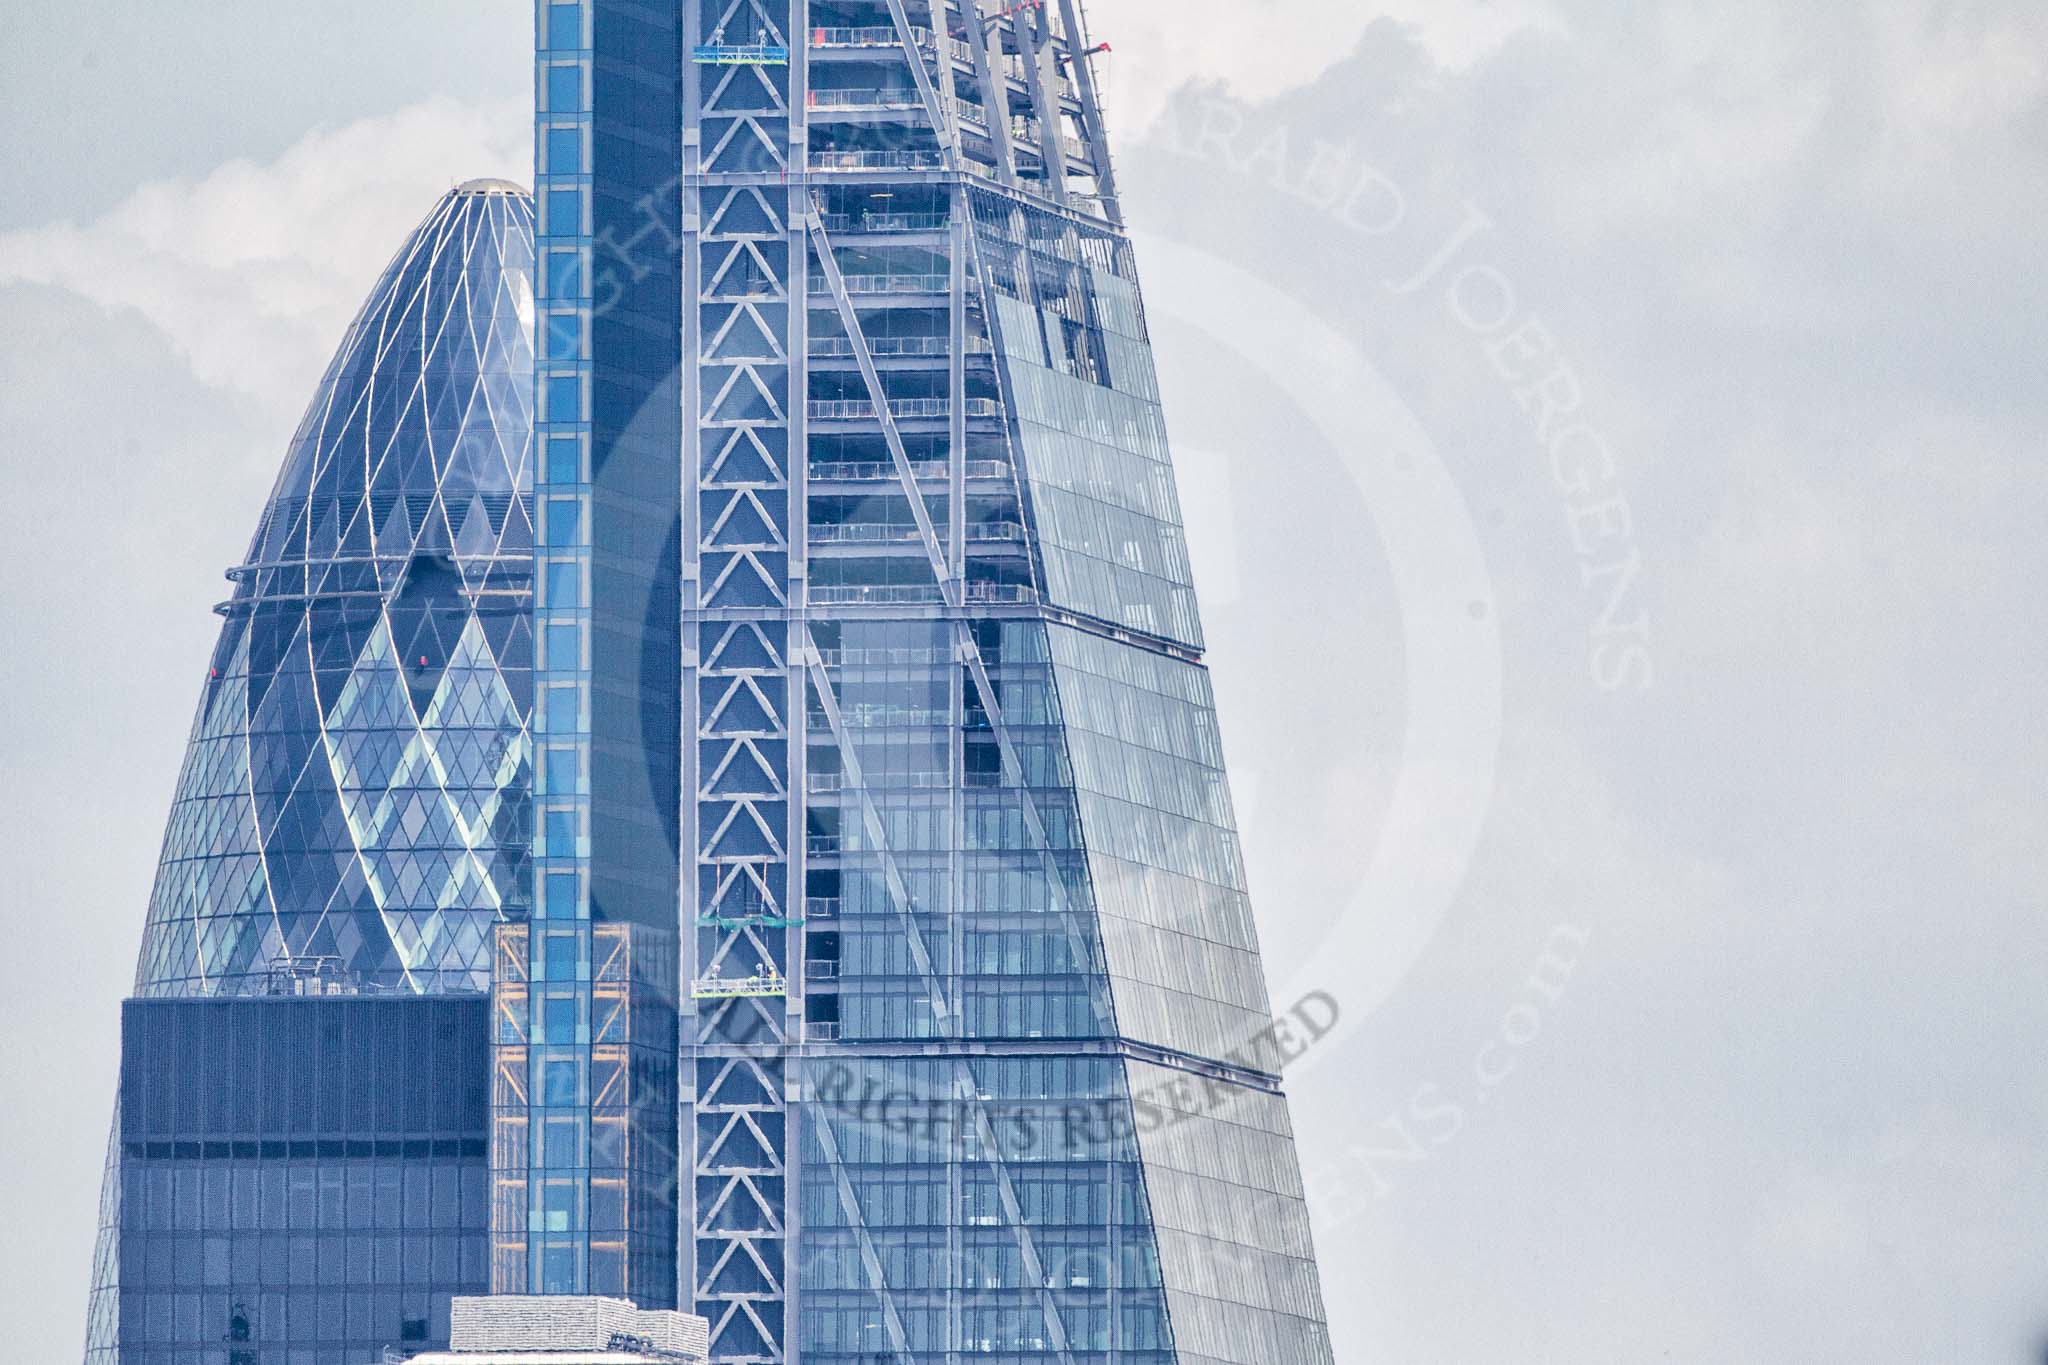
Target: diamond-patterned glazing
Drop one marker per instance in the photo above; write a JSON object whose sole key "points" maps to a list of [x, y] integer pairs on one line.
{"points": [[357, 782]]}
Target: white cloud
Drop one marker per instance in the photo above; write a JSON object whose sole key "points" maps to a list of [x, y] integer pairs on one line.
{"points": [[253, 270], [1898, 1226], [1788, 250], [1260, 48], [1958, 70]]}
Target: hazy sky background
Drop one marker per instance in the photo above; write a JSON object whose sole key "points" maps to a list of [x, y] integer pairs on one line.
{"points": [[1781, 1094]]}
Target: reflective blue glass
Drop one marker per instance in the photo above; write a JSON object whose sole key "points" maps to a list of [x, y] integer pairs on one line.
{"points": [[299, 1177], [357, 784], [584, 1092], [564, 89], [565, 27]]}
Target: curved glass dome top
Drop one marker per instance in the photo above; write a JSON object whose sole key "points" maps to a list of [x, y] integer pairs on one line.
{"points": [[355, 795]]}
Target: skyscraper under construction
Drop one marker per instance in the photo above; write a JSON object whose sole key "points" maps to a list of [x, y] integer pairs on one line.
{"points": [[850, 439]]}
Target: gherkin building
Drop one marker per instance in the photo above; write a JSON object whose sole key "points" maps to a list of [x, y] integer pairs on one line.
{"points": [[356, 789], [296, 1170]]}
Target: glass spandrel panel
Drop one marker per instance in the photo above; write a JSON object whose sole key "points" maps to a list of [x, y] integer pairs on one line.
{"points": [[1234, 1246], [1020, 330], [1165, 864], [1084, 401], [987, 1194]]}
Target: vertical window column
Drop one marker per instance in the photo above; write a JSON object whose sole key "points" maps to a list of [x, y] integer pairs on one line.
{"points": [[557, 1214]]}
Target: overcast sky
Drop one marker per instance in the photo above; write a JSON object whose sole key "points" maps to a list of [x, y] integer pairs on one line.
{"points": [[1612, 444]]}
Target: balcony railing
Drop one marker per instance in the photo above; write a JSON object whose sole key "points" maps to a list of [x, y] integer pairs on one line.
{"points": [[883, 36], [887, 222], [864, 99], [1001, 592], [867, 471], [828, 784], [886, 284], [915, 594], [882, 346], [885, 658], [871, 533], [905, 222], [1010, 66], [1024, 132], [873, 594], [821, 907], [886, 348], [871, 713], [856, 532], [853, 409], [864, 159]]}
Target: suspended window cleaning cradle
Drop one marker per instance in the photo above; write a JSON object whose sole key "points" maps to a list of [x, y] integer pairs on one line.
{"points": [[738, 987], [747, 54]]}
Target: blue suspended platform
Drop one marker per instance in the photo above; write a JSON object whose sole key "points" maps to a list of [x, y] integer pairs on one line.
{"points": [[726, 54]]}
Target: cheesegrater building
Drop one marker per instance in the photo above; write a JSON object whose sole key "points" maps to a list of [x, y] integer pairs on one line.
{"points": [[850, 440], [733, 609]]}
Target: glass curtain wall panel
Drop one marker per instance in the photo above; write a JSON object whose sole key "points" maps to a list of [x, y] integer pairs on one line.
{"points": [[302, 1177], [584, 1115]]}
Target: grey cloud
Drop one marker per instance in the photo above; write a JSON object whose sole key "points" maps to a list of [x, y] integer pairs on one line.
{"points": [[1767, 244]]}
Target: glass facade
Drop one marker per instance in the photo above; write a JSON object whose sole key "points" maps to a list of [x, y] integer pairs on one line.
{"points": [[973, 984], [352, 818], [1163, 856], [1086, 405], [356, 786], [993, 874], [585, 1193], [302, 1179], [933, 1167], [1228, 1213]]}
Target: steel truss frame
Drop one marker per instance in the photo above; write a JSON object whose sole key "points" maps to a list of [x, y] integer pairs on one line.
{"points": [[751, 228]]}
